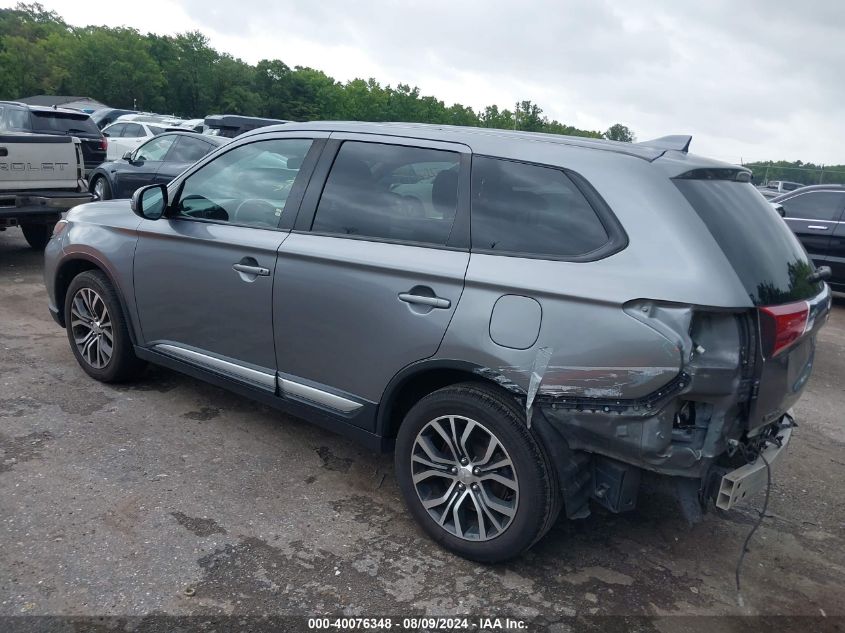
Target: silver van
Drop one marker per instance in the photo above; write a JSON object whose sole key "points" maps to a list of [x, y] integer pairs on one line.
{"points": [[531, 322]]}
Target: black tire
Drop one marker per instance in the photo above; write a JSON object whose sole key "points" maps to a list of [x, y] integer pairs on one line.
{"points": [[539, 499], [107, 194], [37, 235], [123, 364]]}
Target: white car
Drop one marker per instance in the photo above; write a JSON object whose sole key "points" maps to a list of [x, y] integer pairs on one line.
{"points": [[125, 136]]}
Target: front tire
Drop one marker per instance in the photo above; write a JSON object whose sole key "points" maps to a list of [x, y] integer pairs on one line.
{"points": [[473, 475], [97, 331], [37, 235]]}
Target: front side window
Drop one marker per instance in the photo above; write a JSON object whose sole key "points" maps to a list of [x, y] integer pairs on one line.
{"points": [[133, 130], [816, 205], [155, 149], [114, 130], [522, 208], [247, 185], [390, 192]]}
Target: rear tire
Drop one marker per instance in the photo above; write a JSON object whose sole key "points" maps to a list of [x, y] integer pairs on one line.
{"points": [[517, 501], [37, 235], [101, 188], [97, 331]]}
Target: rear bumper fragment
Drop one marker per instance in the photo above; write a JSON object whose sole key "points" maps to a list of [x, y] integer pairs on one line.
{"points": [[744, 482]]}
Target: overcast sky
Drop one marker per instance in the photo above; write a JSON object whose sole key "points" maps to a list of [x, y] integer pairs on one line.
{"points": [[749, 79]]}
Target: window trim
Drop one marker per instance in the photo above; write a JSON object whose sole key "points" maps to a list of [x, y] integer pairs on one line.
{"points": [[458, 239], [294, 197], [617, 238]]}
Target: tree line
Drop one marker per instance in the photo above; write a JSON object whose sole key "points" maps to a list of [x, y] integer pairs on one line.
{"points": [[797, 171], [184, 76]]}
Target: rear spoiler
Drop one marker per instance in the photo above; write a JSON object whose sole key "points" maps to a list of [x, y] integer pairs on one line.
{"points": [[677, 142]]}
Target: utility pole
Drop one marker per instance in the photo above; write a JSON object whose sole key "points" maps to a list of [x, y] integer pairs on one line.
{"points": [[821, 175]]}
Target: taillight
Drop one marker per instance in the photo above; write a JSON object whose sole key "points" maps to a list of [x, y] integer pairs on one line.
{"points": [[781, 326], [104, 143], [59, 228]]}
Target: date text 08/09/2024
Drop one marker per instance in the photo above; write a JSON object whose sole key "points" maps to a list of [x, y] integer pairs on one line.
{"points": [[429, 623]]}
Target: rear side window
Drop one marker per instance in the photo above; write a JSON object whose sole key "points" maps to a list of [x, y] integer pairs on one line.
{"points": [[52, 122], [17, 119], [816, 205], [188, 150], [531, 210], [390, 192], [767, 257]]}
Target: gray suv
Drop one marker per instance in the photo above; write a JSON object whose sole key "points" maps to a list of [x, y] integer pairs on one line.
{"points": [[532, 322]]}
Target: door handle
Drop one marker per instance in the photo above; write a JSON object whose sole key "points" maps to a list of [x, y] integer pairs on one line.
{"points": [[818, 227], [246, 269], [434, 302]]}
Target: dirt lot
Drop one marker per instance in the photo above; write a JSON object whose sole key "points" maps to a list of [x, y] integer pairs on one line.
{"points": [[172, 496]]}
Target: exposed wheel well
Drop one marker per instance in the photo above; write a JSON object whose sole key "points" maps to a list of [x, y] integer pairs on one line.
{"points": [[64, 276], [408, 392]]}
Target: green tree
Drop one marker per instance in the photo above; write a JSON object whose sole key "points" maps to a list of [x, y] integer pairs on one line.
{"points": [[619, 132]]}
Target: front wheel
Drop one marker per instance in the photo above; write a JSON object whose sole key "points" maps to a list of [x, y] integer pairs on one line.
{"points": [[37, 235], [473, 475], [97, 331]]}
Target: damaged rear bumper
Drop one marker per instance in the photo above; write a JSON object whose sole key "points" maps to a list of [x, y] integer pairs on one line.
{"points": [[746, 481]]}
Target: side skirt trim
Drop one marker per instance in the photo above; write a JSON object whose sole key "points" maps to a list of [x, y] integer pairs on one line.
{"points": [[253, 376]]}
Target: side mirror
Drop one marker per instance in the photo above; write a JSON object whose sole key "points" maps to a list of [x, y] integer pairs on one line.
{"points": [[106, 134], [149, 202], [128, 156], [779, 208]]}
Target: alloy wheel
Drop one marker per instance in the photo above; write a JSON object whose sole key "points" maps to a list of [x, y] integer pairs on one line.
{"points": [[464, 478], [100, 188], [91, 326]]}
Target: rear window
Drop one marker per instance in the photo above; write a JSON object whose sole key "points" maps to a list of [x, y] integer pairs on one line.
{"points": [[52, 122], [531, 210], [768, 258]]}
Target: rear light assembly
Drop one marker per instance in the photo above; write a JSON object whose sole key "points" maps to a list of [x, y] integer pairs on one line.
{"points": [[104, 143], [781, 326], [59, 228]]}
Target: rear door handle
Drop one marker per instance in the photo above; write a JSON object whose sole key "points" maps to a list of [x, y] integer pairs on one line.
{"points": [[434, 302], [252, 270], [818, 227]]}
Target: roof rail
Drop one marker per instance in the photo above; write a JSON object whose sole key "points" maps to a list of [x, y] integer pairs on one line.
{"points": [[677, 142]]}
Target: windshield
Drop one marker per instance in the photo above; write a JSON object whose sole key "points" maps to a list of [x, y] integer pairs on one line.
{"points": [[767, 257], [52, 122]]}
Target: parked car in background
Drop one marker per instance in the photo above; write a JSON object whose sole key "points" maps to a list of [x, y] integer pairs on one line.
{"points": [[775, 188], [126, 136], [573, 340], [193, 125], [18, 117], [106, 116], [40, 177], [816, 214], [232, 125], [151, 117], [157, 160]]}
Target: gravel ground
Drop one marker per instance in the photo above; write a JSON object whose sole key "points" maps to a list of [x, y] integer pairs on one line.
{"points": [[169, 496]]}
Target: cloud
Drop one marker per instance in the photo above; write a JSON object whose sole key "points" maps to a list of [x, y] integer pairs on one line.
{"points": [[753, 80]]}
